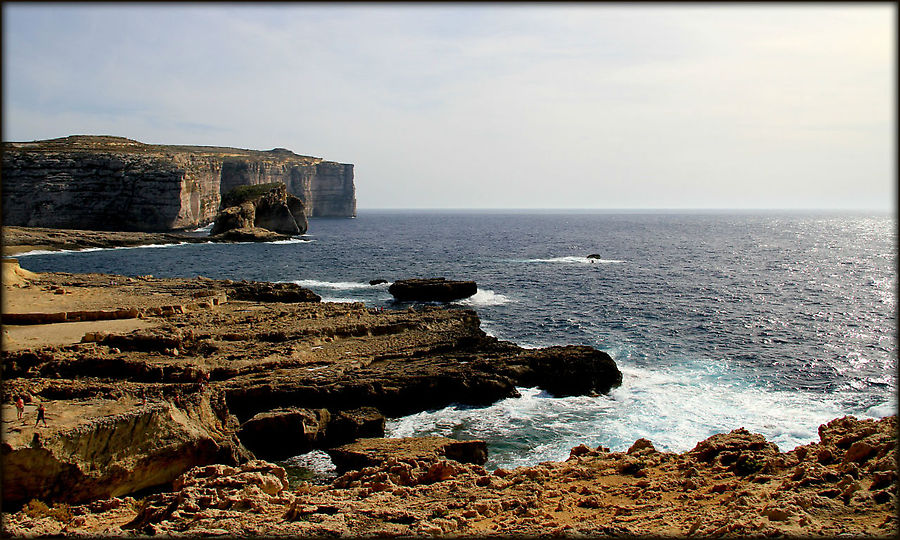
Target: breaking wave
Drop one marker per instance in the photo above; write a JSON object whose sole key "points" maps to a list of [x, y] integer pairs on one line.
{"points": [[485, 297], [337, 285], [91, 249]]}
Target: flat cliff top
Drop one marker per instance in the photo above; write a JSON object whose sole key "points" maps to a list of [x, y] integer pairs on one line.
{"points": [[108, 143]]}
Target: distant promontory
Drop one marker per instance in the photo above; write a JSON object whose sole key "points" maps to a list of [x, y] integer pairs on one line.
{"points": [[113, 183]]}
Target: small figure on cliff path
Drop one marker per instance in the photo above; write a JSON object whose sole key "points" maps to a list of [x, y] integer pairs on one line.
{"points": [[20, 409], [40, 416]]}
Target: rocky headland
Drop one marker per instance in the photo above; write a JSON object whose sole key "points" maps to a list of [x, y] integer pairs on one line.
{"points": [[118, 184], [159, 419], [204, 365]]}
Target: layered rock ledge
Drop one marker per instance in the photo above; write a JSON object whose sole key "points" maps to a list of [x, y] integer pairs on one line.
{"points": [[264, 358], [17, 240]]}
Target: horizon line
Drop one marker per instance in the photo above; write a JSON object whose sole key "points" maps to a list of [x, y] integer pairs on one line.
{"points": [[635, 209]]}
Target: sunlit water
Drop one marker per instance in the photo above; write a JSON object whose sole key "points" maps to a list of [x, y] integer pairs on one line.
{"points": [[773, 322]]}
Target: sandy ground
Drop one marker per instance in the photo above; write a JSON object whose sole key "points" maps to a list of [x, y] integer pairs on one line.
{"points": [[27, 292]]}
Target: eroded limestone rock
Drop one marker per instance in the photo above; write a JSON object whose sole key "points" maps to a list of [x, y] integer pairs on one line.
{"points": [[103, 448]]}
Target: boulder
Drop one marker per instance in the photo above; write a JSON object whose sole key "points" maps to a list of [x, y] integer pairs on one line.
{"points": [[376, 451], [741, 451], [377, 281], [432, 290]]}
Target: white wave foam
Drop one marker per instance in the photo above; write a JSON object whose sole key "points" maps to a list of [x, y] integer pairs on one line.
{"points": [[339, 300], [485, 297], [294, 240], [92, 249], [882, 409], [317, 461], [204, 229], [675, 409], [337, 285], [571, 260]]}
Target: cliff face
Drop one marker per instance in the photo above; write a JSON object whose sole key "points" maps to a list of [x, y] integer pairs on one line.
{"points": [[112, 183], [113, 447]]}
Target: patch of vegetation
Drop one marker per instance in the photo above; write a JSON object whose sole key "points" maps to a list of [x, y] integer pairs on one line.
{"points": [[748, 464], [242, 194], [38, 509]]}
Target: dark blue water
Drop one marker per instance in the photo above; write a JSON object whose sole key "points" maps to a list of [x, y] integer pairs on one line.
{"points": [[773, 321]]}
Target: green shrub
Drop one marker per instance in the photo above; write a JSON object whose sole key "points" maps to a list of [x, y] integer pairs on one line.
{"points": [[242, 194]]}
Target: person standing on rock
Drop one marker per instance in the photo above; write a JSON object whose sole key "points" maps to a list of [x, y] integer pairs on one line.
{"points": [[40, 416], [20, 409]]}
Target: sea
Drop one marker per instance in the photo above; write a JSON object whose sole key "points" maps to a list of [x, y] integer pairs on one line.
{"points": [[773, 321]]}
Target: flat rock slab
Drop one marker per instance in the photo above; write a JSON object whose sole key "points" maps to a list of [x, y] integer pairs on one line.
{"points": [[374, 452], [432, 290]]}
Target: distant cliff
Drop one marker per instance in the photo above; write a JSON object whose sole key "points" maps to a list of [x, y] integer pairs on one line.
{"points": [[114, 183]]}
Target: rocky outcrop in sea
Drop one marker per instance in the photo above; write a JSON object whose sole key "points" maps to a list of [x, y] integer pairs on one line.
{"points": [[264, 206]]}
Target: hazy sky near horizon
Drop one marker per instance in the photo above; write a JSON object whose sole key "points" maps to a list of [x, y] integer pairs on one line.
{"points": [[488, 106]]}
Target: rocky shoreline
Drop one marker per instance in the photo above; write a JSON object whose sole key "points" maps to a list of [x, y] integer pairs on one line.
{"points": [[210, 377], [18, 240]]}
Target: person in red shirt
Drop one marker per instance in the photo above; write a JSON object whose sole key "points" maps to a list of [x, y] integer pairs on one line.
{"points": [[20, 409]]}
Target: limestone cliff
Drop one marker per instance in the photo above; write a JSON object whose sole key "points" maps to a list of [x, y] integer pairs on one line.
{"points": [[113, 183]]}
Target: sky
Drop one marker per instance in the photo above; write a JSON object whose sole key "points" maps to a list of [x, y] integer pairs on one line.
{"points": [[597, 105]]}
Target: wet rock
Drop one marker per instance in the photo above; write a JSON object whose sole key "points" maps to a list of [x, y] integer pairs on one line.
{"points": [[248, 234], [282, 433], [432, 290], [564, 371], [363, 422]]}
